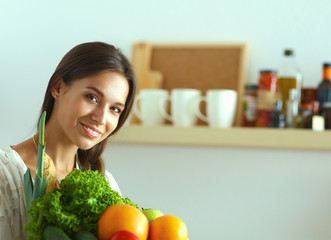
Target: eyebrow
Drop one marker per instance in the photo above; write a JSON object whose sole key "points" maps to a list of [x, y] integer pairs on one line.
{"points": [[102, 95]]}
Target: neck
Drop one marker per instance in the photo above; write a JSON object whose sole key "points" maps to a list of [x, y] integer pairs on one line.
{"points": [[60, 150]]}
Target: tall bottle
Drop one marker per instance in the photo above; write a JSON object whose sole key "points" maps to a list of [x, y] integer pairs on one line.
{"points": [[277, 117], [324, 87], [292, 107], [289, 76]]}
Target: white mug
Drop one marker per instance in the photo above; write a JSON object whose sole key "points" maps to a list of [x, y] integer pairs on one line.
{"points": [[148, 105], [182, 107], [220, 107]]}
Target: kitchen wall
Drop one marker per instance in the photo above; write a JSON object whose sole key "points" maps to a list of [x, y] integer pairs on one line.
{"points": [[36, 34], [234, 194], [221, 193]]}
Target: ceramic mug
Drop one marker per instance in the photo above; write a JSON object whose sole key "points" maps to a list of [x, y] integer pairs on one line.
{"points": [[182, 112], [149, 104], [220, 107]]}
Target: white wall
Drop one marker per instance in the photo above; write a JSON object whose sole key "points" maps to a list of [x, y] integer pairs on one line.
{"points": [[262, 195], [231, 194], [36, 34]]}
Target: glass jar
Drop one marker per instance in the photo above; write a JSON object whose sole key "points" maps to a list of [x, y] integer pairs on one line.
{"points": [[249, 105], [309, 94], [267, 95]]}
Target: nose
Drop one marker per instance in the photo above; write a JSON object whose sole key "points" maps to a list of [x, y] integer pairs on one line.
{"points": [[99, 115]]}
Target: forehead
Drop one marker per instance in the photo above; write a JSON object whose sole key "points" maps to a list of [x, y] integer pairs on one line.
{"points": [[109, 83]]}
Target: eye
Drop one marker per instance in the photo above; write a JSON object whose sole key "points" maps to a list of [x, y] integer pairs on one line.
{"points": [[116, 109], [92, 98]]}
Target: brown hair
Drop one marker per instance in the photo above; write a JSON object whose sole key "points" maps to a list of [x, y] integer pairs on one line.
{"points": [[82, 61]]}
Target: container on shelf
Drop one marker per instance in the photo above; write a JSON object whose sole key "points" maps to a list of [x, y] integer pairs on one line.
{"points": [[289, 76], [250, 105], [267, 95]]}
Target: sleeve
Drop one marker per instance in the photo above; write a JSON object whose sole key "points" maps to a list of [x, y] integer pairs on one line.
{"points": [[113, 184], [12, 205]]}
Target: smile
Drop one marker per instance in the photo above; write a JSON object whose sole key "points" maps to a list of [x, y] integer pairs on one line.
{"points": [[91, 132]]}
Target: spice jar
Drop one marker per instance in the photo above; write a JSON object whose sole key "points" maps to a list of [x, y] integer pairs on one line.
{"points": [[249, 106], [267, 95], [309, 94]]}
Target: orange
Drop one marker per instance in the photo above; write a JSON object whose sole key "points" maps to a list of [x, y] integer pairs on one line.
{"points": [[167, 227], [121, 217]]}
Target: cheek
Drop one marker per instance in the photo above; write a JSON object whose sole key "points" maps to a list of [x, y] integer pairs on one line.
{"points": [[75, 110], [81, 108], [111, 124]]}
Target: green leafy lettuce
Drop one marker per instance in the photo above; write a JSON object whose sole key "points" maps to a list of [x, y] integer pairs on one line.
{"points": [[76, 205]]}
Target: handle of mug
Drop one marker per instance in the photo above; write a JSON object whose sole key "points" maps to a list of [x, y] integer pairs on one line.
{"points": [[197, 111], [163, 103], [136, 109]]}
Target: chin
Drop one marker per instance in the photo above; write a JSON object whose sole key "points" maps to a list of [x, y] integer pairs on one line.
{"points": [[86, 146]]}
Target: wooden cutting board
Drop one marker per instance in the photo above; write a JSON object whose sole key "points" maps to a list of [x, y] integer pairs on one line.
{"points": [[200, 66]]}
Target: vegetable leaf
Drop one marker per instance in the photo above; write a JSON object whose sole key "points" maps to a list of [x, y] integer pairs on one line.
{"points": [[77, 205], [39, 188]]}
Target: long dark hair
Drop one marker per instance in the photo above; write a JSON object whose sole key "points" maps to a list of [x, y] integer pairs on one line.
{"points": [[82, 61]]}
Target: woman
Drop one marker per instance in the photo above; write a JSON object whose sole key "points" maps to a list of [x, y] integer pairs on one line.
{"points": [[88, 99]]}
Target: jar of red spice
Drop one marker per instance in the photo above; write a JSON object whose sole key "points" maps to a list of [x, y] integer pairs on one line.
{"points": [[267, 95]]}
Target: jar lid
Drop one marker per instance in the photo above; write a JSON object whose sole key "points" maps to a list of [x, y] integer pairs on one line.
{"points": [[268, 71], [288, 52], [251, 86]]}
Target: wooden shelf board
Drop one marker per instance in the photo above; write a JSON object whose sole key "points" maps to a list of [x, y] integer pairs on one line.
{"points": [[304, 139]]}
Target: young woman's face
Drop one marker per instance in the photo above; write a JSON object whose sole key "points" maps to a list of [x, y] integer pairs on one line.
{"points": [[88, 110]]}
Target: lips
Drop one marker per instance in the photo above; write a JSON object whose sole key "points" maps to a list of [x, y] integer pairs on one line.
{"points": [[91, 131]]}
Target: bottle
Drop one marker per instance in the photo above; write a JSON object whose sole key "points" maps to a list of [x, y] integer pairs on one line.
{"points": [[289, 76], [315, 112], [292, 108], [324, 88], [305, 110], [277, 117], [267, 95], [249, 108]]}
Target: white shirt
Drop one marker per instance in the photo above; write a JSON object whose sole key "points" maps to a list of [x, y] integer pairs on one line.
{"points": [[12, 197]]}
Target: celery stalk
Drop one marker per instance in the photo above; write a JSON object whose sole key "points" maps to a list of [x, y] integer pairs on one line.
{"points": [[39, 188]]}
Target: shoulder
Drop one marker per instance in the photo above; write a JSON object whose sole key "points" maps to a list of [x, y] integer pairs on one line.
{"points": [[12, 201], [9, 157], [11, 165], [112, 182]]}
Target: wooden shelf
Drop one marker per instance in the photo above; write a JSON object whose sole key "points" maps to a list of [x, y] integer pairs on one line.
{"points": [[303, 139]]}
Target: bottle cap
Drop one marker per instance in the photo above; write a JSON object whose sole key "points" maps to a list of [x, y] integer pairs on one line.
{"points": [[288, 52], [326, 64]]}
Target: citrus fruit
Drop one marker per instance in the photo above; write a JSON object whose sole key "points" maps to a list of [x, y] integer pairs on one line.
{"points": [[124, 235], [121, 217], [168, 227]]}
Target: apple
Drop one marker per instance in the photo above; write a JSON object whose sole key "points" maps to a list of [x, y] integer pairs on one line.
{"points": [[124, 235], [151, 214]]}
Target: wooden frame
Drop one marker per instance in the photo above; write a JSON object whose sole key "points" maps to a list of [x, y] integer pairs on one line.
{"points": [[200, 66]]}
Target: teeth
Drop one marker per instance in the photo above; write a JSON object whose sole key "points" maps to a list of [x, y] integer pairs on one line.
{"points": [[92, 131]]}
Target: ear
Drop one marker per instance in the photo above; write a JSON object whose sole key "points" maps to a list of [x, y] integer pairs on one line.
{"points": [[57, 89]]}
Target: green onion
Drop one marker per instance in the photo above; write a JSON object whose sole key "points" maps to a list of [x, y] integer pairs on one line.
{"points": [[39, 188]]}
